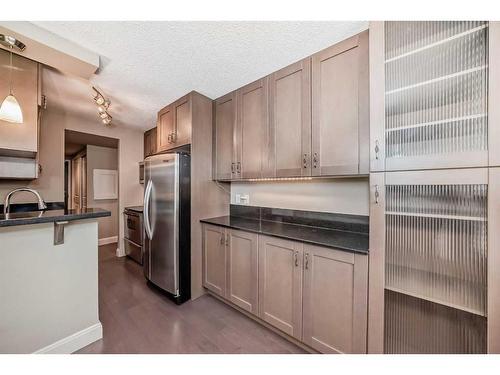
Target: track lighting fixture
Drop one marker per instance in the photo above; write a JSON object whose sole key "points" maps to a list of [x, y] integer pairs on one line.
{"points": [[102, 107]]}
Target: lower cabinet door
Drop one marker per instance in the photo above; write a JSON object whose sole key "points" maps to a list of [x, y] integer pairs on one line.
{"points": [[214, 259], [280, 284], [242, 277], [335, 300]]}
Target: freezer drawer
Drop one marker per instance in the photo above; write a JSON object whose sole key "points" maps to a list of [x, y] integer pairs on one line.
{"points": [[133, 227], [133, 250]]}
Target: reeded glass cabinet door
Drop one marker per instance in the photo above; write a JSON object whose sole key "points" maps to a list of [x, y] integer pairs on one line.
{"points": [[436, 258], [434, 94]]}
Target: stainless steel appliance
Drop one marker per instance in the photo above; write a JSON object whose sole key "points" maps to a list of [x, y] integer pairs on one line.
{"points": [[134, 233], [167, 215]]}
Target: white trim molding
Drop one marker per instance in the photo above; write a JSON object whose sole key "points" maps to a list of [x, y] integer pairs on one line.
{"points": [[107, 240], [74, 342], [120, 252]]}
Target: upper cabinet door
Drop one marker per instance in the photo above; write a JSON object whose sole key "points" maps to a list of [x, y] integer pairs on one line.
{"points": [[290, 120], [251, 140], [429, 89], [182, 121], [225, 124], [339, 108], [21, 138], [165, 129], [150, 142]]}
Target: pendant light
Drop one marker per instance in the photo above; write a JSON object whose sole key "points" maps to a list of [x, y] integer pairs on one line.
{"points": [[10, 110]]}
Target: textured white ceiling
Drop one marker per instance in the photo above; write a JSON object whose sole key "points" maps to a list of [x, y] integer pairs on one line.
{"points": [[146, 65]]}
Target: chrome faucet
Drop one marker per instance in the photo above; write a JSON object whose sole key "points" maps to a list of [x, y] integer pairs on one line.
{"points": [[6, 205]]}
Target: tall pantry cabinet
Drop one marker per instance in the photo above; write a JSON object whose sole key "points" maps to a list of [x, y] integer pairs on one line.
{"points": [[435, 187]]}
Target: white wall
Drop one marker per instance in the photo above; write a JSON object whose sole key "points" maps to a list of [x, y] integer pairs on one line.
{"points": [[348, 196], [102, 158]]}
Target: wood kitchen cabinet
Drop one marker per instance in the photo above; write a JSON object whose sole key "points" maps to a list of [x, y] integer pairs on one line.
{"points": [[251, 138], [335, 300], [230, 265], [290, 120], [224, 128], [280, 284], [150, 142], [20, 140], [340, 108], [242, 277], [308, 119], [165, 129], [214, 259], [175, 121]]}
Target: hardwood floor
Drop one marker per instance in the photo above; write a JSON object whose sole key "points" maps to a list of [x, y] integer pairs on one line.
{"points": [[137, 318]]}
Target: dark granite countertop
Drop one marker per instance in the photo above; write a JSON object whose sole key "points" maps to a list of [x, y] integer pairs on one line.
{"points": [[334, 238], [37, 217]]}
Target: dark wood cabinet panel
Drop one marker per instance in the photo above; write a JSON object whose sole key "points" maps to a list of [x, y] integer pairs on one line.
{"points": [[150, 142]]}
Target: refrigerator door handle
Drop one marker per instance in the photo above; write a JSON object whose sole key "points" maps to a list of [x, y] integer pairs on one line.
{"points": [[147, 198]]}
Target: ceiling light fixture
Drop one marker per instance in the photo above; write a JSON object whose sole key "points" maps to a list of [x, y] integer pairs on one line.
{"points": [[102, 107], [10, 110]]}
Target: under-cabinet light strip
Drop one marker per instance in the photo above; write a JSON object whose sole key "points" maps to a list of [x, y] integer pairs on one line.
{"points": [[456, 36], [279, 179]]}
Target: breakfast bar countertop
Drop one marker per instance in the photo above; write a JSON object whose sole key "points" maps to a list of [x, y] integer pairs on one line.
{"points": [[37, 217]]}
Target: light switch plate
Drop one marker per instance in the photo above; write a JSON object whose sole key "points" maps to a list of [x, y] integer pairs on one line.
{"points": [[245, 199]]}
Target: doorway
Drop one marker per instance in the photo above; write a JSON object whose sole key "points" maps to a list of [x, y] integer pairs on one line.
{"points": [[91, 178]]}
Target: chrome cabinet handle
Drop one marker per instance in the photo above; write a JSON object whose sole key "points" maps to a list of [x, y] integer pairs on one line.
{"points": [[147, 197], [315, 160], [304, 161], [227, 239], [307, 261], [232, 168], [377, 149], [377, 194], [221, 240], [174, 136], [238, 167], [296, 258]]}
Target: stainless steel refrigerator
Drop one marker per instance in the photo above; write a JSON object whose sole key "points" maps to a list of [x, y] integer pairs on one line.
{"points": [[167, 208]]}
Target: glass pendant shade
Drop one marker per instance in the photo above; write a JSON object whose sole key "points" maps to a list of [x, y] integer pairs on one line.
{"points": [[10, 110]]}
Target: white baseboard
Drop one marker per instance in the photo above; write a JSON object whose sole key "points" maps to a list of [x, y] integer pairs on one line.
{"points": [[107, 240], [120, 252], [74, 342]]}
